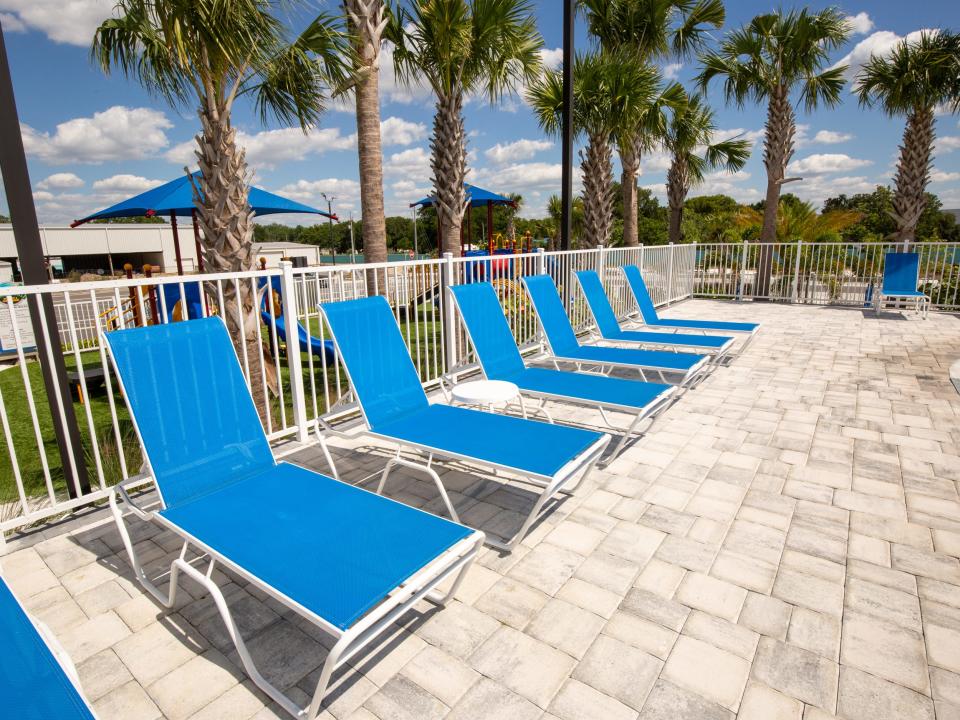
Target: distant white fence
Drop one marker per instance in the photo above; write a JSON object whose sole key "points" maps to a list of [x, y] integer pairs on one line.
{"points": [[304, 386]]}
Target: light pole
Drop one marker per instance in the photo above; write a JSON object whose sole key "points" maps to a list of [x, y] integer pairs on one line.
{"points": [[415, 249], [353, 247], [330, 218], [566, 190]]}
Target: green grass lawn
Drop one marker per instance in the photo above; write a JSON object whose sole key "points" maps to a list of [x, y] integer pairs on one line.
{"points": [[24, 439]]}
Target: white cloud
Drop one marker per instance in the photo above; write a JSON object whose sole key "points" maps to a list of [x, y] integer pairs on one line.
{"points": [[72, 22], [948, 143], [552, 58], [826, 163], [117, 187], [12, 23], [523, 149], [117, 133], [831, 137], [672, 70], [860, 24], [819, 188], [880, 43], [268, 148], [412, 163], [346, 192], [656, 161], [60, 181], [727, 183], [752, 136], [939, 176], [42, 196], [397, 131]]}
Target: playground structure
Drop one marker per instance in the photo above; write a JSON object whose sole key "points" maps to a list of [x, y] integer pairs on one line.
{"points": [[477, 196], [271, 313]]}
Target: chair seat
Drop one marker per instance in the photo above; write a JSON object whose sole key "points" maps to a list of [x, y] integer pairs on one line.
{"points": [[708, 325], [655, 359], [332, 548], [33, 684], [523, 445], [903, 293], [609, 391], [704, 342]]}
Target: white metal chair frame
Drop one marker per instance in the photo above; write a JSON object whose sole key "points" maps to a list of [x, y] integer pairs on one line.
{"points": [[550, 485], [422, 585], [921, 304]]}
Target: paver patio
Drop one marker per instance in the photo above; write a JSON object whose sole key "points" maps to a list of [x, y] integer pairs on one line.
{"points": [[783, 544]]}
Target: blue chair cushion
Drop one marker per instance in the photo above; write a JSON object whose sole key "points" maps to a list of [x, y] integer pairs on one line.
{"points": [[602, 390], [335, 549], [656, 359], [33, 685], [707, 325], [901, 273], [511, 442], [703, 342]]}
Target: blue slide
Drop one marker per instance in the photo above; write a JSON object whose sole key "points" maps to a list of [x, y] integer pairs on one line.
{"points": [[308, 343]]}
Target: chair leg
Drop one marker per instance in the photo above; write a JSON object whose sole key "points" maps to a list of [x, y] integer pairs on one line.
{"points": [[326, 451], [397, 460]]}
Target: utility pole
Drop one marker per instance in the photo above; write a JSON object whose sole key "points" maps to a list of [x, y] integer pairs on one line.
{"points": [[330, 219], [566, 191], [26, 232]]}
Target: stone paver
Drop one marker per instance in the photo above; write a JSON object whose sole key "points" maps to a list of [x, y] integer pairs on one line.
{"points": [[783, 544]]}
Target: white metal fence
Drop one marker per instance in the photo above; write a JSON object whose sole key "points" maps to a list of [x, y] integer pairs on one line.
{"points": [[821, 273], [300, 386]]}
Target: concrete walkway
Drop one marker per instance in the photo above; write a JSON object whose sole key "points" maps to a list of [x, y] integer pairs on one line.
{"points": [[783, 544]]}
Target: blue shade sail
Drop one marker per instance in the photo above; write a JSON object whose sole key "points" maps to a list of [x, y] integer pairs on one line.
{"points": [[33, 684], [176, 198], [650, 317], [609, 326], [475, 196]]}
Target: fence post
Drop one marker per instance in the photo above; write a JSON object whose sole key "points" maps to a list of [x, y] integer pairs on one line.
{"points": [[449, 327], [290, 319], [541, 262], [670, 273], [640, 262], [743, 270], [796, 273], [600, 260], [693, 269]]}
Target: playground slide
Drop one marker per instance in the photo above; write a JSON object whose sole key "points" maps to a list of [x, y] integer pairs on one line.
{"points": [[308, 343]]}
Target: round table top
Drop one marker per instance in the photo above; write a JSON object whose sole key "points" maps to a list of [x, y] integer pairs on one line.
{"points": [[483, 392]]}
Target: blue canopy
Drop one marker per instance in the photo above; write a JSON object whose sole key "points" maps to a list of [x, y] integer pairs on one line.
{"points": [[176, 198], [476, 196]]}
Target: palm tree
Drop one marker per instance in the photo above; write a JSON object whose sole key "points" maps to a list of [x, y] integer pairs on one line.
{"points": [[461, 47], [912, 81], [366, 20], [768, 60], [652, 30], [555, 213], [689, 140], [211, 52], [800, 221], [613, 94]]}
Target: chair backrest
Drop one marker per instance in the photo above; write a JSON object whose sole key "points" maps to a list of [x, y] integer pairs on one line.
{"points": [[553, 318], [191, 406], [596, 296], [639, 288], [381, 372], [901, 271], [488, 329]]}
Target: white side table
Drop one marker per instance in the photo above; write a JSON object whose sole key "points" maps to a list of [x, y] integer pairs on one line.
{"points": [[487, 394]]}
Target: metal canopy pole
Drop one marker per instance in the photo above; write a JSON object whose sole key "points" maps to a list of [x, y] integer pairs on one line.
{"points": [[176, 241], [566, 196], [23, 215]]}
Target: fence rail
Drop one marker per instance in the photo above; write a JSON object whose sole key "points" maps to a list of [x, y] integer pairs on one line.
{"points": [[821, 273], [271, 313]]}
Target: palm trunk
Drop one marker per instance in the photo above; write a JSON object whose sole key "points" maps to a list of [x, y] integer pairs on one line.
{"points": [[597, 164], [913, 173], [630, 162], [777, 151], [448, 161], [224, 215], [678, 183], [366, 18]]}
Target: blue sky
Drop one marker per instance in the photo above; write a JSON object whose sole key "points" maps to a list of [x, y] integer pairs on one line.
{"points": [[93, 140]]}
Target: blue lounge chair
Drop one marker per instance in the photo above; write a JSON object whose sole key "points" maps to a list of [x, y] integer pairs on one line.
{"points": [[500, 359], [345, 559], [901, 275], [649, 317], [608, 327], [564, 346], [37, 679], [395, 408]]}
